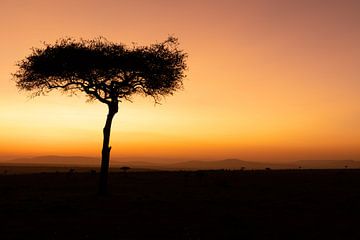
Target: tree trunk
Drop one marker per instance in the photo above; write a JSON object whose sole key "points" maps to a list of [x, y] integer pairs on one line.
{"points": [[113, 109]]}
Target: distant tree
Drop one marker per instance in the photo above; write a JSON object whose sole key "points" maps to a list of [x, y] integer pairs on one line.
{"points": [[125, 169], [92, 172], [104, 71]]}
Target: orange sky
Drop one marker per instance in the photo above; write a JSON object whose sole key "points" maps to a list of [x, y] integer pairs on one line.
{"points": [[267, 80]]}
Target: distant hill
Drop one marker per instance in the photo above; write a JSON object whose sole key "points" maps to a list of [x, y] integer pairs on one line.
{"points": [[324, 164], [74, 160], [54, 160], [186, 165], [226, 164]]}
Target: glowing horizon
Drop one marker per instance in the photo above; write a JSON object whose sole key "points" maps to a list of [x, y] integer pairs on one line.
{"points": [[267, 81]]}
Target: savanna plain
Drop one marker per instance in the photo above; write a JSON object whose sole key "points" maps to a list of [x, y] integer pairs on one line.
{"points": [[219, 204]]}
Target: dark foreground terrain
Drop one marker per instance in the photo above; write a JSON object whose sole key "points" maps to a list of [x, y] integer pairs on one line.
{"points": [[281, 204]]}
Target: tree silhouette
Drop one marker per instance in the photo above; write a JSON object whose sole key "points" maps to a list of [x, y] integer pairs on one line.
{"points": [[105, 71], [125, 169]]}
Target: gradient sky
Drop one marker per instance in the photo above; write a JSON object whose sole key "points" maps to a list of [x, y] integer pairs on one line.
{"points": [[269, 80]]}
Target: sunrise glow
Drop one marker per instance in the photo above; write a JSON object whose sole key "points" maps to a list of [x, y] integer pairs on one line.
{"points": [[269, 82]]}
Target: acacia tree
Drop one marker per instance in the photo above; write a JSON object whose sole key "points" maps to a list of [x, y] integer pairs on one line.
{"points": [[104, 71]]}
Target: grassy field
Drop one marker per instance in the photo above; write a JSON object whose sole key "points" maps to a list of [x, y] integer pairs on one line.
{"points": [[275, 204]]}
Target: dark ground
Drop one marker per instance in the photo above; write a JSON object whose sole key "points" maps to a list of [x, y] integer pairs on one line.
{"points": [[282, 204]]}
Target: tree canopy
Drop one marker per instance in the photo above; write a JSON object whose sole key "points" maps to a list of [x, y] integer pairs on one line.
{"points": [[106, 71]]}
